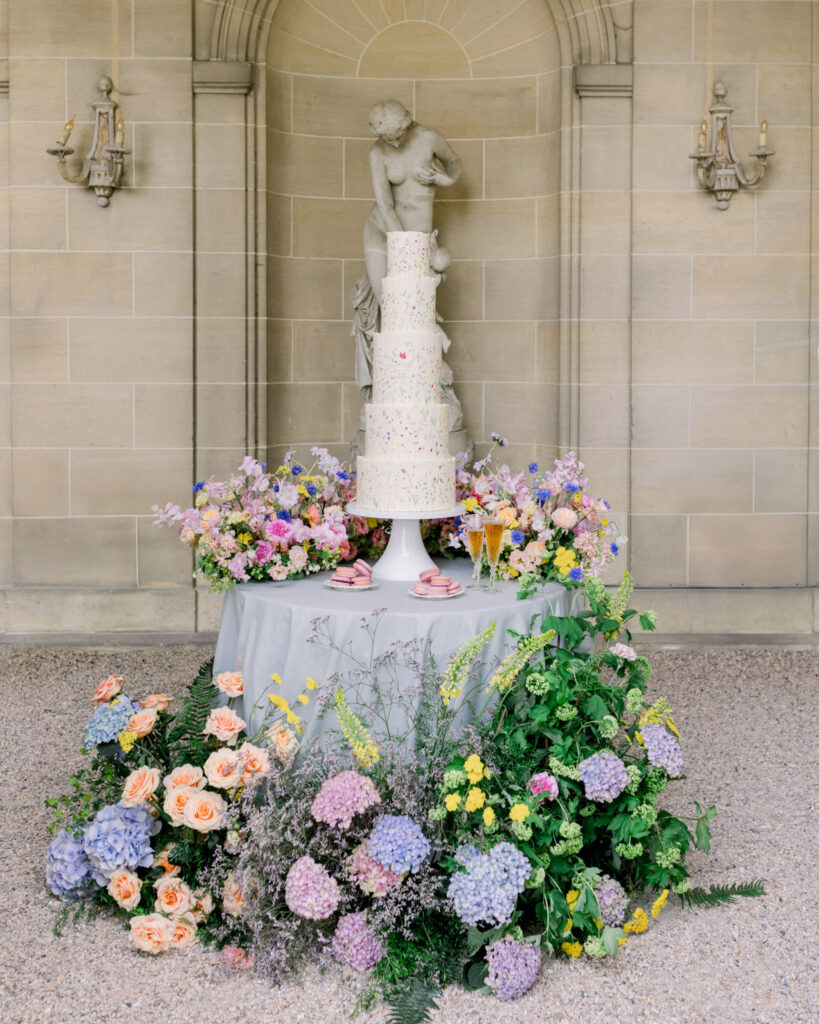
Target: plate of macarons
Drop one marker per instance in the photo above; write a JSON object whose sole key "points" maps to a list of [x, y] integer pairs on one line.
{"points": [[358, 576], [432, 586]]}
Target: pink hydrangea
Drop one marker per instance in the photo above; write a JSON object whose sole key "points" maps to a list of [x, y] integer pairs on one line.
{"points": [[369, 875], [543, 782], [310, 891], [355, 945], [342, 797], [623, 651], [278, 531]]}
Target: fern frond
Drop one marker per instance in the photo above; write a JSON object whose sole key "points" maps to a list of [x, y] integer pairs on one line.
{"points": [[716, 895], [186, 734], [413, 1005]]}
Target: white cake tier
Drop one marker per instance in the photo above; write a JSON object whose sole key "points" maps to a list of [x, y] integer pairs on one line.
{"points": [[421, 485], [406, 367], [407, 303], [407, 431], [407, 253]]}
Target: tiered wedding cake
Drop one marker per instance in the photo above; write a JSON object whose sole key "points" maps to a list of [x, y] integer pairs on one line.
{"points": [[407, 466]]}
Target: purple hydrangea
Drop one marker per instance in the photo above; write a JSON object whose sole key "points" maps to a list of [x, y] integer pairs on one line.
{"points": [[513, 967], [663, 750], [108, 721], [68, 870], [342, 797], [310, 891], [604, 776], [611, 899], [397, 843], [355, 945], [488, 889], [119, 837]]}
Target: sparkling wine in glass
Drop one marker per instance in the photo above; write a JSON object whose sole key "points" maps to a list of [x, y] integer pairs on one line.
{"points": [[474, 540], [493, 531]]}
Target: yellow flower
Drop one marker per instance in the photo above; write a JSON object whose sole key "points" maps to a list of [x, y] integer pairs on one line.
{"points": [[604, 521], [659, 903], [245, 538], [568, 926], [488, 816], [622, 941], [572, 949], [277, 679], [452, 801], [282, 470], [512, 524], [473, 766], [475, 799], [638, 923], [278, 702], [519, 812], [303, 698], [311, 684], [303, 491], [471, 504], [127, 740], [572, 896], [372, 523]]}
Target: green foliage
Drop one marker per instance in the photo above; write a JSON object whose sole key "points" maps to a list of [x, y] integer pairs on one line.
{"points": [[716, 895], [186, 735], [413, 1005]]}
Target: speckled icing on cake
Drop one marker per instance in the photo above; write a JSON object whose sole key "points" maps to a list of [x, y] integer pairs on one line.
{"points": [[412, 431], [408, 303], [407, 253], [406, 486], [406, 367]]}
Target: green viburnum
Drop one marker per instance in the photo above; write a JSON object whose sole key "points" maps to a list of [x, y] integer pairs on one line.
{"points": [[536, 878], [566, 712], [640, 670], [572, 840], [681, 887], [537, 683], [651, 617], [595, 591], [646, 813], [629, 851], [634, 701], [491, 828], [521, 831], [569, 829], [566, 770], [634, 778], [608, 727], [587, 810], [668, 856], [593, 947], [453, 779], [656, 780], [437, 813]]}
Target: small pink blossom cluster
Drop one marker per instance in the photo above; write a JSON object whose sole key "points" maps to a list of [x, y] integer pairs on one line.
{"points": [[543, 782], [342, 797], [355, 945], [369, 875], [310, 891]]}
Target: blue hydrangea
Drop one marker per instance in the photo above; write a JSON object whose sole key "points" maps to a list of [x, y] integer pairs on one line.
{"points": [[68, 870], [108, 721], [513, 967], [604, 776], [611, 899], [518, 536], [489, 887], [397, 843], [663, 750], [119, 837]]}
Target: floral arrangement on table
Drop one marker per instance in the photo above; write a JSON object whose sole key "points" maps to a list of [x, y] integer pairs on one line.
{"points": [[555, 530], [274, 526]]}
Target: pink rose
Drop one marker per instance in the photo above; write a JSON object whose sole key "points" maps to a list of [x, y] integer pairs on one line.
{"points": [[140, 786], [160, 701], [173, 897], [224, 724], [185, 775], [283, 741], [142, 722], [379, 538], [360, 526], [107, 689], [224, 769], [279, 532], [151, 933], [184, 932], [233, 956], [278, 572], [543, 782], [125, 887], [230, 683], [161, 861], [564, 518], [205, 811]]}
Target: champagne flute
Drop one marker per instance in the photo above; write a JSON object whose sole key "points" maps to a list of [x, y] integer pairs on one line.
{"points": [[474, 539], [493, 530]]}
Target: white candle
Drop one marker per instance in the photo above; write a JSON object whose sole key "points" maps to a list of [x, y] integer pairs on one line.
{"points": [[763, 135]]}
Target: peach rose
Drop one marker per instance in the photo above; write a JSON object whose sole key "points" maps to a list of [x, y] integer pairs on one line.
{"points": [[202, 907], [313, 515], [224, 769], [278, 572], [142, 722], [140, 786], [160, 701], [173, 896], [175, 802], [185, 775], [233, 902], [107, 689], [125, 887], [151, 933], [504, 515], [283, 742], [224, 724], [188, 536], [184, 932], [564, 518], [161, 860], [255, 761], [205, 811], [230, 683]]}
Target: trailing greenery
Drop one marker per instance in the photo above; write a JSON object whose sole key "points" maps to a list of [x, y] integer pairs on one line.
{"points": [[717, 895]]}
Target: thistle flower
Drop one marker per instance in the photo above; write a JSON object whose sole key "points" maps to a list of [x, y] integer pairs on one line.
{"points": [[513, 663], [458, 668], [364, 749]]}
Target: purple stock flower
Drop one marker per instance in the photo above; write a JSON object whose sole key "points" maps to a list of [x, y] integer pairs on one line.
{"points": [[355, 945], [397, 843], [663, 750], [611, 899], [513, 967], [309, 891], [68, 870], [604, 776]]}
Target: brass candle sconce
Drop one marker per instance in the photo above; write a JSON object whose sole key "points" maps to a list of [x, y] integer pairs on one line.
{"points": [[103, 164]]}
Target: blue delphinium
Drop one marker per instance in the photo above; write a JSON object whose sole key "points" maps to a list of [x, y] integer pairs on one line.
{"points": [[284, 515], [108, 721], [663, 749], [513, 967], [518, 536], [533, 467], [68, 870], [397, 843], [611, 899], [489, 887], [615, 550], [543, 494], [576, 574], [604, 776], [119, 837]]}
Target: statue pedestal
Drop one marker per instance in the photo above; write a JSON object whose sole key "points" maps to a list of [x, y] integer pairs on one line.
{"points": [[405, 555]]}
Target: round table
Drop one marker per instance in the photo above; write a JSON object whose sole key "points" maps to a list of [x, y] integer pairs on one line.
{"points": [[266, 629]]}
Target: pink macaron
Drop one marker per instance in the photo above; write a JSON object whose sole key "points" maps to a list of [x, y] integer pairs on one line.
{"points": [[428, 574], [346, 570], [360, 581], [363, 567]]}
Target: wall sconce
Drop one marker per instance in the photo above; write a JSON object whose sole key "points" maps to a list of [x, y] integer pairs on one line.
{"points": [[102, 167], [718, 169]]}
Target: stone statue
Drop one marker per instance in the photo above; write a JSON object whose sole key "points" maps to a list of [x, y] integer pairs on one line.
{"points": [[407, 161]]}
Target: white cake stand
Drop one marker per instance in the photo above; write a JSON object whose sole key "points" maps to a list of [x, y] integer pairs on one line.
{"points": [[405, 555]]}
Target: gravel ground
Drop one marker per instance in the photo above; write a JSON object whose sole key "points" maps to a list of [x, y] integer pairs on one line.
{"points": [[744, 714]]}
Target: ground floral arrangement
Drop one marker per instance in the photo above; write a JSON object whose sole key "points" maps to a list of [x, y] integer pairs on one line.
{"points": [[516, 814], [274, 526]]}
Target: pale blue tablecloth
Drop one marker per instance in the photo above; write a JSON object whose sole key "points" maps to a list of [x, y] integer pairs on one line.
{"points": [[265, 629]]}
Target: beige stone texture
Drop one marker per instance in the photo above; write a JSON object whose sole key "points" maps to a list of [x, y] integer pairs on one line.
{"points": [[220, 350], [91, 551], [155, 218], [39, 349], [530, 57], [608, 473], [134, 481], [29, 165], [749, 550], [162, 28], [522, 167], [605, 286], [221, 220], [605, 222], [37, 218], [5, 415], [278, 100], [218, 462], [783, 222], [38, 28], [323, 350], [40, 482], [549, 100], [684, 222], [533, 283], [500, 30], [767, 287], [305, 164], [478, 418], [479, 108], [220, 284], [36, 88], [782, 352], [662, 30], [661, 287], [604, 351], [547, 352], [687, 481], [660, 416], [304, 413], [328, 227], [730, 610], [347, 14], [341, 106], [663, 98], [685, 351], [548, 226], [6, 568], [129, 349], [208, 611], [163, 560], [279, 224], [289, 53], [304, 288], [162, 155], [779, 29], [163, 284], [163, 415], [781, 480], [658, 550], [394, 53], [220, 416], [657, 163], [358, 182], [784, 93], [604, 416], [606, 158], [75, 415], [213, 142], [756, 416], [279, 350], [304, 21], [460, 297], [351, 415], [150, 90], [101, 611], [488, 229], [492, 351], [70, 283], [793, 173], [607, 111]]}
